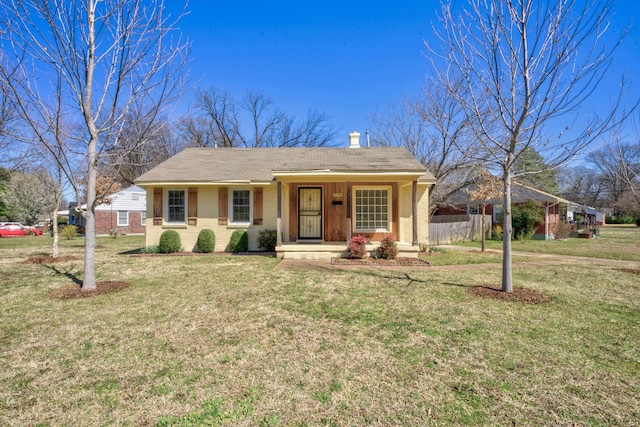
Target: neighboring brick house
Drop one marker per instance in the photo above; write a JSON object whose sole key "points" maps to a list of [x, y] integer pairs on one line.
{"points": [[126, 213], [556, 209], [315, 198]]}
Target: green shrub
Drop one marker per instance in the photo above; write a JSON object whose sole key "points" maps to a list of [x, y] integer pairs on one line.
{"points": [[622, 219], [388, 248], [524, 220], [169, 242], [152, 249], [268, 239], [357, 247], [206, 241], [239, 242], [69, 232], [496, 233]]}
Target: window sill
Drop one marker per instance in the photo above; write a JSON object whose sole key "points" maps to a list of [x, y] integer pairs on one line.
{"points": [[174, 226], [238, 225]]}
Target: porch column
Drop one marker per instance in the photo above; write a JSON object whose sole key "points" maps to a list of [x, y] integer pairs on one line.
{"points": [[414, 212], [546, 222], [279, 221], [348, 211]]}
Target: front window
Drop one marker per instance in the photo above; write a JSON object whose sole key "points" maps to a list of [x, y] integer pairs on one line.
{"points": [[123, 218], [176, 206], [372, 209], [498, 214], [241, 206], [143, 218], [473, 210]]}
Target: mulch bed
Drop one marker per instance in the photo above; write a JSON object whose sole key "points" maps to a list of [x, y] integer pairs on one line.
{"points": [[402, 262], [175, 254], [49, 259], [75, 291], [631, 270], [526, 296]]}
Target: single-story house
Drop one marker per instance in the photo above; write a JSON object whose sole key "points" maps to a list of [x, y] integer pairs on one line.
{"points": [[124, 212], [556, 209], [315, 198]]}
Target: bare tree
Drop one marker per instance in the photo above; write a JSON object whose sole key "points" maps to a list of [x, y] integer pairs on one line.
{"points": [[142, 144], [616, 166], [109, 58], [222, 121], [433, 129], [525, 64]]}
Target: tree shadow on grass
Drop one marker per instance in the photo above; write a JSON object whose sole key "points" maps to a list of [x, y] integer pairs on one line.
{"points": [[75, 279]]}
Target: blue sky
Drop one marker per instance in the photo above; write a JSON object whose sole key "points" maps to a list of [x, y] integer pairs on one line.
{"points": [[346, 59]]}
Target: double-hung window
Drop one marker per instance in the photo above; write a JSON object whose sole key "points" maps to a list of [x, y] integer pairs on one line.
{"points": [[498, 214], [372, 209], [473, 209], [123, 218], [176, 201], [143, 218], [240, 206]]}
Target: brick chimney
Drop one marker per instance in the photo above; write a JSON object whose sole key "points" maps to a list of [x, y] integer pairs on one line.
{"points": [[354, 137]]}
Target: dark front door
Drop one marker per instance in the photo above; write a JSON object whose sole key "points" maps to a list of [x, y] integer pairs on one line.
{"points": [[310, 213]]}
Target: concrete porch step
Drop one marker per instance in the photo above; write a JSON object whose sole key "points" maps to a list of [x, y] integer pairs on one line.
{"points": [[326, 251]]}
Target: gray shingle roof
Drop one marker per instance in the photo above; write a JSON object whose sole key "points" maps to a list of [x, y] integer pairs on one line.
{"points": [[520, 193], [259, 164]]}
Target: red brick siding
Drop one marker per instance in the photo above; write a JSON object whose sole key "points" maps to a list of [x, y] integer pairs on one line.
{"points": [[107, 220]]}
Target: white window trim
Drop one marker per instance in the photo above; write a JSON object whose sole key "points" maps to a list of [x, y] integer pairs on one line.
{"points": [[232, 221], [495, 213], [143, 218], [166, 206], [120, 224], [389, 190], [471, 208]]}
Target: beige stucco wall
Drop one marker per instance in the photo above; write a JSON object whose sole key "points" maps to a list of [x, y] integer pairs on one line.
{"points": [[208, 218]]}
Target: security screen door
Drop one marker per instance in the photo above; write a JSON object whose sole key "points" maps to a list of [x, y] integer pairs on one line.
{"points": [[310, 213]]}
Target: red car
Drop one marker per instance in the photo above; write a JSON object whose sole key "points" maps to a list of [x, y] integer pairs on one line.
{"points": [[15, 229]]}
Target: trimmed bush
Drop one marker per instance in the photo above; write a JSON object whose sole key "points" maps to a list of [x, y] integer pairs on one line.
{"points": [[388, 248], [206, 241], [357, 247], [622, 219], [239, 242], [69, 232], [169, 242], [268, 239]]}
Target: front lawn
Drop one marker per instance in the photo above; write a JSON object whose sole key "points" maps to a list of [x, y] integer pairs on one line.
{"points": [[227, 340], [615, 242]]}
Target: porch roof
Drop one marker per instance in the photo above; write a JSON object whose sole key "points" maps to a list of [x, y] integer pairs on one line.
{"points": [[263, 164]]}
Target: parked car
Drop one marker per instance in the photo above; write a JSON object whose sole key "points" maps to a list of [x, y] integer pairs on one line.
{"points": [[15, 229]]}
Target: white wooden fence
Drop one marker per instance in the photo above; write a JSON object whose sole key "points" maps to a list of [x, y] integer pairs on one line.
{"points": [[449, 229]]}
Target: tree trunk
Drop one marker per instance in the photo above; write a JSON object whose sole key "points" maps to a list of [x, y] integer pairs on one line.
{"points": [[507, 232], [89, 279], [484, 232], [55, 230]]}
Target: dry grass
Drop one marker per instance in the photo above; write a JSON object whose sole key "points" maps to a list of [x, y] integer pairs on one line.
{"points": [[233, 340], [615, 242]]}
